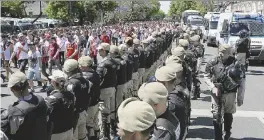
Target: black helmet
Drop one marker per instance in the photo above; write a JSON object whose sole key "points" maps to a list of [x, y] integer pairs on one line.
{"points": [[236, 73], [243, 33]]}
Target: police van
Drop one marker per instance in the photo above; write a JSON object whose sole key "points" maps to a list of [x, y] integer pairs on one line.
{"points": [[230, 24], [186, 14], [210, 23]]}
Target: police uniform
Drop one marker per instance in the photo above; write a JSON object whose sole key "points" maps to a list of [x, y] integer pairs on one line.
{"points": [[167, 125], [243, 46], [149, 59], [217, 71], [178, 101], [61, 103], [134, 52], [93, 109], [142, 63], [27, 118], [107, 71], [80, 87]]}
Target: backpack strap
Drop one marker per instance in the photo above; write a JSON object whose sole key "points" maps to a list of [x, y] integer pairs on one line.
{"points": [[160, 122]]}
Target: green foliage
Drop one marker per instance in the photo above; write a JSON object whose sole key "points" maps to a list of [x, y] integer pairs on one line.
{"points": [[14, 8], [178, 6], [105, 6]]}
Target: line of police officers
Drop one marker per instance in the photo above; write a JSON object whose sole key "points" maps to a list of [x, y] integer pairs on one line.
{"points": [[162, 105]]}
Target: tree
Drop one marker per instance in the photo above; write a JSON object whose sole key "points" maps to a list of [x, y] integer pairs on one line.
{"points": [[14, 9], [178, 6]]}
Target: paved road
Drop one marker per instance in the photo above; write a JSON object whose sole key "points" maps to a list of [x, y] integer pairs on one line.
{"points": [[248, 121]]}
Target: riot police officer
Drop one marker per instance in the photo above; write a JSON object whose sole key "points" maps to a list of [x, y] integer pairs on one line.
{"points": [[142, 60], [27, 118], [80, 87], [129, 65], [178, 101], [134, 53], [149, 58], [242, 47], [224, 78], [107, 72], [121, 82], [61, 103], [167, 125], [86, 66], [197, 49]]}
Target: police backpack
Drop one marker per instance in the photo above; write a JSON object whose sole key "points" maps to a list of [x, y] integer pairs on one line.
{"points": [[165, 124]]}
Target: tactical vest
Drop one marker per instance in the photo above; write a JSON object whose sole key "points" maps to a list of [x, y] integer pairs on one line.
{"points": [[149, 57], [220, 75], [142, 58], [94, 78], [122, 71], [109, 79], [129, 65], [80, 87], [33, 114], [135, 54], [242, 45]]}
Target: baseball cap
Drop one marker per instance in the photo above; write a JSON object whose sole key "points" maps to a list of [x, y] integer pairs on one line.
{"points": [[165, 74], [104, 46], [17, 77], [70, 65], [123, 48], [114, 49], [135, 115], [153, 92], [145, 41], [85, 61], [58, 76], [173, 60], [178, 51], [195, 38]]}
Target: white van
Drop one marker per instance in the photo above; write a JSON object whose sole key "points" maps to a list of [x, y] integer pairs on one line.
{"points": [[210, 23], [230, 24], [196, 22]]}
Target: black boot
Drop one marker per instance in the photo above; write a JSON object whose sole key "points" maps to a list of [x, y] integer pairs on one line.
{"points": [[218, 130], [113, 131], [228, 120], [96, 135], [39, 84], [3, 78], [107, 132]]}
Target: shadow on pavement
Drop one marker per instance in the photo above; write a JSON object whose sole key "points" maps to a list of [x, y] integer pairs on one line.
{"points": [[202, 121], [203, 133], [206, 92], [246, 139]]}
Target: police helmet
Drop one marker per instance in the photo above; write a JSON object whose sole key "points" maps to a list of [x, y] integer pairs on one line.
{"points": [[243, 33], [236, 73]]}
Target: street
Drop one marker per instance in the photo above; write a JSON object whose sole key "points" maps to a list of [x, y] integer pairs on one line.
{"points": [[248, 121]]}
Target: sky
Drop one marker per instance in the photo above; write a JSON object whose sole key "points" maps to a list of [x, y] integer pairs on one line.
{"points": [[165, 6]]}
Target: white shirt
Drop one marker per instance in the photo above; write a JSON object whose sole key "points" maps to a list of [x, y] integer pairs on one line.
{"points": [[36, 55], [63, 44], [22, 55]]}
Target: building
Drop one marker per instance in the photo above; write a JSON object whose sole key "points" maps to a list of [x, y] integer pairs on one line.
{"points": [[33, 9], [247, 6]]}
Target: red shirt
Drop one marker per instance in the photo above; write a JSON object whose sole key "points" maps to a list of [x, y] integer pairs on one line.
{"points": [[71, 49], [105, 39], [53, 48]]}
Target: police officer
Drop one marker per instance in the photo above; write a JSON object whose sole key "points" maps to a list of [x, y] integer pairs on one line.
{"points": [[197, 50], [80, 87], [61, 103], [167, 125], [242, 47], [121, 83], [142, 60], [92, 124], [129, 64], [222, 70], [26, 119], [107, 72], [136, 120], [178, 101], [149, 58], [133, 51]]}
